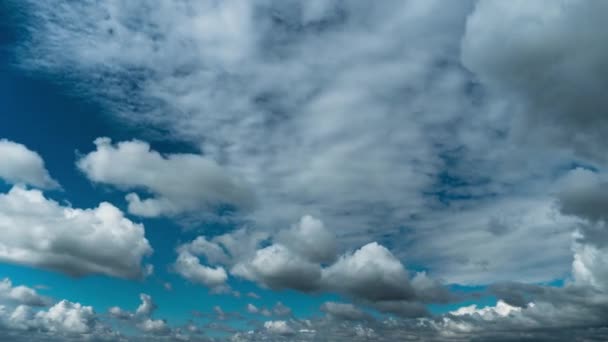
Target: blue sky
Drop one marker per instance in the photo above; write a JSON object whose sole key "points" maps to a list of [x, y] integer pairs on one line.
{"points": [[285, 170]]}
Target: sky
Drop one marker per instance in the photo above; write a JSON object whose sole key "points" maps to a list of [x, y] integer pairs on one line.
{"points": [[321, 170]]}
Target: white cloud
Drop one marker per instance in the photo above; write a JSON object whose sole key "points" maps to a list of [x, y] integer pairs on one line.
{"points": [[371, 272], [501, 309], [154, 326], [180, 183], [188, 266], [23, 166], [21, 294], [40, 232], [278, 327], [69, 317], [147, 306]]}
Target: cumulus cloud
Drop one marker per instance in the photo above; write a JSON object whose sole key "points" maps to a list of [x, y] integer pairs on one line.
{"points": [[23, 166], [189, 266], [63, 321], [142, 318], [21, 294], [40, 232], [278, 327], [179, 183], [311, 239], [278, 268], [147, 306], [371, 274]]}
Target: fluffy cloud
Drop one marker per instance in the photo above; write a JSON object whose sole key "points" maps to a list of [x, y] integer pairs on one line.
{"points": [[278, 268], [21, 294], [188, 266], [278, 327], [40, 232], [147, 306], [142, 318], [180, 183], [23, 166], [63, 321], [371, 273]]}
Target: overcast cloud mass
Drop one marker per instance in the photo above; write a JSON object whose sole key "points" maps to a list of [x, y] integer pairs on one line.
{"points": [[420, 170]]}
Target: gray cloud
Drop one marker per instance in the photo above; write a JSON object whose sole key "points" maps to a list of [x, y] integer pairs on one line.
{"points": [[549, 56]]}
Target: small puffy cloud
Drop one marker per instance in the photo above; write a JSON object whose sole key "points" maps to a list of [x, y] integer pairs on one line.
{"points": [[252, 308], [22, 166], [253, 295], [281, 309], [147, 306], [132, 165], [189, 266], [21, 294], [154, 326], [119, 313], [73, 241], [278, 327]]}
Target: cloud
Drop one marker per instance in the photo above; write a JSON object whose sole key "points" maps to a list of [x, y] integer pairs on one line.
{"points": [[278, 268], [278, 327], [371, 274], [147, 306], [63, 321], [344, 311], [252, 308], [130, 165], [154, 326], [310, 239], [544, 56], [74, 241], [23, 166], [317, 107], [21, 294], [188, 266]]}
